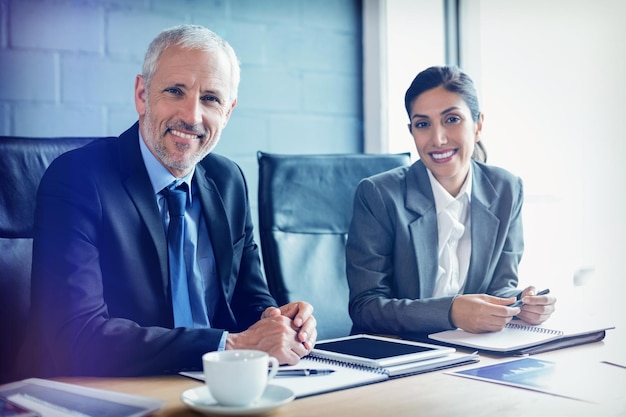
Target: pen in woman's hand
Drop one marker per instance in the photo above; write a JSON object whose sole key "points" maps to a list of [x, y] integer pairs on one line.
{"points": [[519, 302]]}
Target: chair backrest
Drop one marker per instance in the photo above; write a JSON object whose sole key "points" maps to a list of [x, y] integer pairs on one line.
{"points": [[305, 209], [22, 164]]}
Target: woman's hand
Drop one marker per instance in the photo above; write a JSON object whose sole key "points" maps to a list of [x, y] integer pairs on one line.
{"points": [[536, 308], [480, 313]]}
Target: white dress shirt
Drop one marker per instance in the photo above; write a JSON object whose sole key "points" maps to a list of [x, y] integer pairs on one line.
{"points": [[454, 229]]}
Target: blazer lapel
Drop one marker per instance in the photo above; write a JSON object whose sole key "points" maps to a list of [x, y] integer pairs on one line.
{"points": [[484, 231], [139, 188], [215, 216], [419, 199]]}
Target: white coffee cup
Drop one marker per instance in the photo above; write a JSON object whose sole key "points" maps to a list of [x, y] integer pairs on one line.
{"points": [[238, 377]]}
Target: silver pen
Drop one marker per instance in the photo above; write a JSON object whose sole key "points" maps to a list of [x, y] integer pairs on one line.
{"points": [[303, 372], [520, 303]]}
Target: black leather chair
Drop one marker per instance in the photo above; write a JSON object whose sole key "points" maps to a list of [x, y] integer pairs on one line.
{"points": [[22, 164], [305, 208]]}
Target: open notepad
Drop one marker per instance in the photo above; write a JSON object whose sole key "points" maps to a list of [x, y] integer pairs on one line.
{"points": [[519, 337], [351, 372]]}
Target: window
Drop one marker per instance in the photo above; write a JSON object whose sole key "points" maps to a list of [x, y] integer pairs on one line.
{"points": [[551, 76], [551, 80]]}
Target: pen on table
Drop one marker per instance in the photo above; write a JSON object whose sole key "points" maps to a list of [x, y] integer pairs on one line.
{"points": [[304, 372], [519, 302]]}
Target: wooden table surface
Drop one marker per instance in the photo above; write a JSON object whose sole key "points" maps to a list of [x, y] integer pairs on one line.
{"points": [[433, 394]]}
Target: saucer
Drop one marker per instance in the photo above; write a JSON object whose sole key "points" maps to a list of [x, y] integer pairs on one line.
{"points": [[200, 399]]}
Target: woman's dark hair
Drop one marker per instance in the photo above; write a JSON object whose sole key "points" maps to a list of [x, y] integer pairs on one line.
{"points": [[454, 80]]}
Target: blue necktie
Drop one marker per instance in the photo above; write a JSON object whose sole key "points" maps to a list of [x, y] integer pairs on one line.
{"points": [[176, 202]]}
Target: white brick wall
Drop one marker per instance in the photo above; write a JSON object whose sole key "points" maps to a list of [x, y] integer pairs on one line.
{"points": [[67, 68]]}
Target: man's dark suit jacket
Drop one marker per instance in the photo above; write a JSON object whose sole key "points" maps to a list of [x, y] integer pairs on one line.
{"points": [[100, 288]]}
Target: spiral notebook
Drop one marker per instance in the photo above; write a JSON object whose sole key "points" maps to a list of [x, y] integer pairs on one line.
{"points": [[349, 369], [519, 337]]}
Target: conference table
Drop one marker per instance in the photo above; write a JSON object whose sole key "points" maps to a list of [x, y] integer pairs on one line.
{"points": [[431, 394]]}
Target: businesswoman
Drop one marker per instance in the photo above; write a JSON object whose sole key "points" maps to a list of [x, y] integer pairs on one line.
{"points": [[436, 245]]}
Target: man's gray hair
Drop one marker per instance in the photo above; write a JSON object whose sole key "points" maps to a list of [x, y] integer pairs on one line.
{"points": [[190, 37]]}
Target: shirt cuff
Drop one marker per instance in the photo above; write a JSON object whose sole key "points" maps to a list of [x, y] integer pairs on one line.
{"points": [[222, 345]]}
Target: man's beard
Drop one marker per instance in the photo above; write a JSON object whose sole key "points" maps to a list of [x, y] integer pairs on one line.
{"points": [[156, 138]]}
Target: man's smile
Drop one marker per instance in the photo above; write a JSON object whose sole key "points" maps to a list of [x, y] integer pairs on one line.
{"points": [[185, 135]]}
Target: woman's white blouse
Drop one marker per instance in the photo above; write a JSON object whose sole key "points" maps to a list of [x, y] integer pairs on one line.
{"points": [[455, 244]]}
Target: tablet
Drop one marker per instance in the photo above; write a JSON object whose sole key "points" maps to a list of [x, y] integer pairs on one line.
{"points": [[377, 351], [9, 409], [51, 398]]}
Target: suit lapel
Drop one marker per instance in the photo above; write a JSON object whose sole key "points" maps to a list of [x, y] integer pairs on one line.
{"points": [[216, 219], [484, 231], [139, 189], [423, 230]]}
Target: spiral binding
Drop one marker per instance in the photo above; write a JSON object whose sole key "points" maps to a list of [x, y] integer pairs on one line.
{"points": [[533, 329], [376, 370]]}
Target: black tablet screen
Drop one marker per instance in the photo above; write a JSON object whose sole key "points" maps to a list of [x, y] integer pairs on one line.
{"points": [[370, 348]]}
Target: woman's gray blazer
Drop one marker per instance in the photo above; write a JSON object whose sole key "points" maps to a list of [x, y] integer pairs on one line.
{"points": [[391, 252]]}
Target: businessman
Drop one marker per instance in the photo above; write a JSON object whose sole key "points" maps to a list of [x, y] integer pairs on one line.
{"points": [[124, 285]]}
